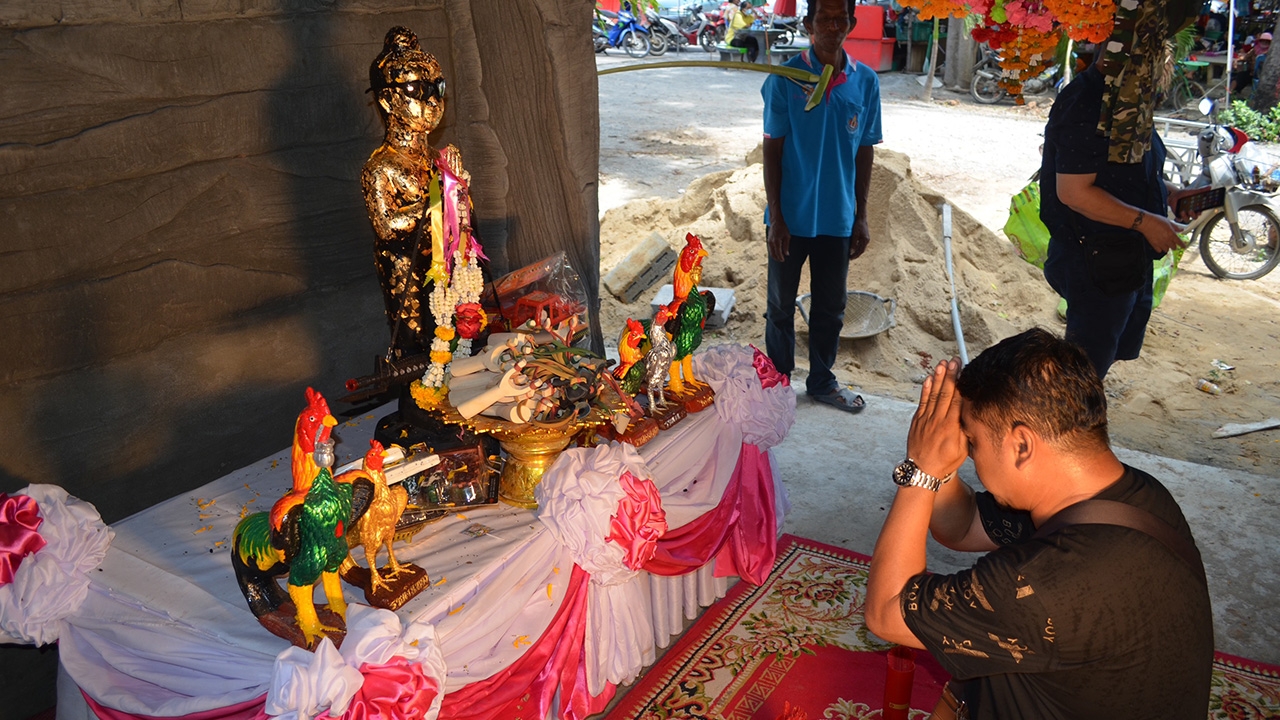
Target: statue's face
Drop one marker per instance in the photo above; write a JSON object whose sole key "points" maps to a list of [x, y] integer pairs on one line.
{"points": [[416, 98]]}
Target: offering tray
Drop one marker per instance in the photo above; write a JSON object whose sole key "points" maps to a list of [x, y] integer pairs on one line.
{"points": [[533, 446]]}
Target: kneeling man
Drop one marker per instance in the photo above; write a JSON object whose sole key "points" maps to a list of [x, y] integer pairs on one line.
{"points": [[1091, 600]]}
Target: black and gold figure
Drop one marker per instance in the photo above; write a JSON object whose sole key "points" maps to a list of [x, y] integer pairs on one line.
{"points": [[400, 182]]}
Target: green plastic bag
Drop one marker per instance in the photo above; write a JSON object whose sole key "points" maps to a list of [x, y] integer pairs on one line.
{"points": [[1029, 236], [1031, 239]]}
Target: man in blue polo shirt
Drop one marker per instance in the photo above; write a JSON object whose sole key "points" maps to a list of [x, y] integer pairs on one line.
{"points": [[817, 169]]}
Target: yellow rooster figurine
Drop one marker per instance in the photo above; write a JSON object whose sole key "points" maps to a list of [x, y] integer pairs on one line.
{"points": [[377, 527]]}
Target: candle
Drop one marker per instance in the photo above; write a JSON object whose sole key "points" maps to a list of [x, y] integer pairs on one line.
{"points": [[897, 685]]}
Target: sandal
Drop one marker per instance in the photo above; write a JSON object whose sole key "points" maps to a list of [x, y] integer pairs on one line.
{"points": [[842, 398]]}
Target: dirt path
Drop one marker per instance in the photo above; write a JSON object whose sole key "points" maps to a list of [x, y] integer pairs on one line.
{"points": [[662, 129]]}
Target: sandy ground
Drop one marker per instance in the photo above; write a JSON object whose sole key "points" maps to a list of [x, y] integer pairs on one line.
{"points": [[674, 158]]}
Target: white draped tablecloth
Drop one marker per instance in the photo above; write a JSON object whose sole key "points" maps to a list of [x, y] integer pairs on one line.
{"points": [[165, 631]]}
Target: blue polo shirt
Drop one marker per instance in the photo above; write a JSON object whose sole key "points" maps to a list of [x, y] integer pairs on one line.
{"points": [[818, 156]]}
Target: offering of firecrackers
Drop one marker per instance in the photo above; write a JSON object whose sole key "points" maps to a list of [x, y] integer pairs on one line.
{"points": [[688, 310], [376, 528]]}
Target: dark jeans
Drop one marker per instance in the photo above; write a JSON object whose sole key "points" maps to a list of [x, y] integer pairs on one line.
{"points": [[1108, 327], [828, 276], [751, 44]]}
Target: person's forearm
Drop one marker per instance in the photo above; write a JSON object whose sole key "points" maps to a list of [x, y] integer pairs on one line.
{"points": [[1100, 206], [953, 512], [899, 555], [773, 177], [862, 164]]}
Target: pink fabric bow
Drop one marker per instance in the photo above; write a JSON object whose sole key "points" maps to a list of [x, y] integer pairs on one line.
{"points": [[19, 521], [639, 522], [398, 690], [769, 375]]}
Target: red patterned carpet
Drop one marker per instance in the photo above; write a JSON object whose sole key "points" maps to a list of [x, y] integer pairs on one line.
{"points": [[799, 640]]}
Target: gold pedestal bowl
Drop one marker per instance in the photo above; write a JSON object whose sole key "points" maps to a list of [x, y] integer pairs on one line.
{"points": [[530, 447]]}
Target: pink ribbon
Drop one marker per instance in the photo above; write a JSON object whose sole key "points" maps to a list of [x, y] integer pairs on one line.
{"points": [[19, 522], [639, 522], [452, 188], [766, 371], [527, 686], [248, 710], [397, 690], [740, 533]]}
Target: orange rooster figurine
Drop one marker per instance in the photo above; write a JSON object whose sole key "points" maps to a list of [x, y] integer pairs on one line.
{"points": [[691, 309], [630, 370], [302, 536], [375, 529]]}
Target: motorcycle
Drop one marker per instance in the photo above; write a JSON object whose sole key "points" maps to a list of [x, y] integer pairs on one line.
{"points": [[624, 32], [1247, 247], [985, 87], [664, 34], [696, 29]]}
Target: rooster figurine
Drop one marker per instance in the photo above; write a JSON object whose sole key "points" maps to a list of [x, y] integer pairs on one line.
{"points": [[661, 353], [304, 533], [691, 309], [377, 527], [631, 370]]}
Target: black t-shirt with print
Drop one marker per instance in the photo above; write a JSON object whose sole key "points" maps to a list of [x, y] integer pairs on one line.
{"points": [[1094, 621]]}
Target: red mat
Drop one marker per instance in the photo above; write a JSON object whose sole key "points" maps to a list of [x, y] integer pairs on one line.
{"points": [[797, 639], [800, 639]]}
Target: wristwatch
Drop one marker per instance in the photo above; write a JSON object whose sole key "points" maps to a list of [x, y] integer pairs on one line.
{"points": [[906, 474]]}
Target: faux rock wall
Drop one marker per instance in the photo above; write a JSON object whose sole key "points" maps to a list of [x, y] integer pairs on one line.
{"points": [[183, 244]]}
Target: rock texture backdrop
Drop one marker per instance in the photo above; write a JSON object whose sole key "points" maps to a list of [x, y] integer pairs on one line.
{"points": [[183, 243]]}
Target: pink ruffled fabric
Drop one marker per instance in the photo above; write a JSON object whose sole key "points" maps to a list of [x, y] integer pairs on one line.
{"points": [[767, 371], [397, 690], [740, 533], [19, 533], [527, 687], [639, 522], [248, 710]]}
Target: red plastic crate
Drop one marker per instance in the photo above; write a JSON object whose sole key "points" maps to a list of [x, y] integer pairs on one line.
{"points": [[876, 54]]}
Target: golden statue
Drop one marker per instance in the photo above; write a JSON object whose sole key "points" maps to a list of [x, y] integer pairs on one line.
{"points": [[417, 198]]}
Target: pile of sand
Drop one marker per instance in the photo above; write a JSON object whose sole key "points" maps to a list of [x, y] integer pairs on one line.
{"points": [[999, 294], [1154, 405]]}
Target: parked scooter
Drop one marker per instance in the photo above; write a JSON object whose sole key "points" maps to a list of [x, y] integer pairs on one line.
{"points": [[696, 29], [664, 34], [627, 33], [1247, 247], [985, 87]]}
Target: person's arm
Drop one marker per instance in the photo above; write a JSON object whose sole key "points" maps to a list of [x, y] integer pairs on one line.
{"points": [[862, 163], [956, 523], [779, 236], [937, 445], [1079, 193]]}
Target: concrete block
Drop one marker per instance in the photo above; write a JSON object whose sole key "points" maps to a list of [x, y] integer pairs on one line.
{"points": [[725, 298], [646, 264]]}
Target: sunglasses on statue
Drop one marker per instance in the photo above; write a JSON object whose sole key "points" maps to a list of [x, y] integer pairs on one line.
{"points": [[421, 89]]}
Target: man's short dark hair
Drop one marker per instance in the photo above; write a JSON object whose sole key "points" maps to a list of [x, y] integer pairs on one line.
{"points": [[813, 8], [1039, 380]]}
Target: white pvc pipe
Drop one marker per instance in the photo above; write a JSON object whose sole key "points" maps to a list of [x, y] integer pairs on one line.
{"points": [[955, 308]]}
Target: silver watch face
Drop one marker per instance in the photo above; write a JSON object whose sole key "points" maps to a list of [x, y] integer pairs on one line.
{"points": [[903, 472]]}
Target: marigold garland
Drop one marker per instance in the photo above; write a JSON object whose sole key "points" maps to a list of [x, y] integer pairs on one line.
{"points": [[1084, 20], [941, 9], [1026, 32]]}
